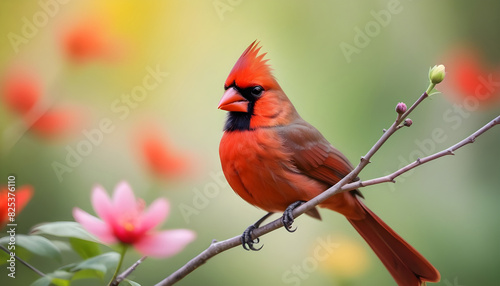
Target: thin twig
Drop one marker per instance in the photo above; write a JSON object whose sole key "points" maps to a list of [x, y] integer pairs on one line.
{"points": [[365, 160], [24, 262], [448, 151], [127, 272], [343, 185]]}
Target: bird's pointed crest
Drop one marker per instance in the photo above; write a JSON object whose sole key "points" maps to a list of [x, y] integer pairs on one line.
{"points": [[251, 69]]}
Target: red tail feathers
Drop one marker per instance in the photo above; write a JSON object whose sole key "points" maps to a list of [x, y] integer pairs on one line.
{"points": [[406, 265]]}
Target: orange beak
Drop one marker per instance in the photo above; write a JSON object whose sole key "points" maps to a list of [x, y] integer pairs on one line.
{"points": [[233, 101]]}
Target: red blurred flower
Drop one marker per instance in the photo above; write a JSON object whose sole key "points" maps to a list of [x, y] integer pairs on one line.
{"points": [[127, 220], [468, 79], [21, 197], [89, 40], [21, 91], [56, 122], [161, 158]]}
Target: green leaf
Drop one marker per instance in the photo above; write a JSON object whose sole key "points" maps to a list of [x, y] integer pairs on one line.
{"points": [[434, 92], [62, 245], [61, 278], [80, 274], [44, 281], [61, 275], [68, 267], [60, 282], [5, 241], [58, 278], [64, 229], [88, 273], [99, 263], [38, 245], [133, 283], [84, 248]]}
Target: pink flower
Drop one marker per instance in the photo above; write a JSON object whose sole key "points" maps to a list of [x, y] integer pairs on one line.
{"points": [[127, 220]]}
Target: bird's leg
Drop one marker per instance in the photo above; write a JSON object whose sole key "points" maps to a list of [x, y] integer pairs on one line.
{"points": [[287, 217], [246, 237]]}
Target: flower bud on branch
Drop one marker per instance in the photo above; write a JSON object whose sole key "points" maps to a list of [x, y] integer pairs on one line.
{"points": [[408, 122], [436, 74], [401, 108]]}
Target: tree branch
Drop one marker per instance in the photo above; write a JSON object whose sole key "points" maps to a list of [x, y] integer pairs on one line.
{"points": [[346, 184], [127, 272], [449, 151]]}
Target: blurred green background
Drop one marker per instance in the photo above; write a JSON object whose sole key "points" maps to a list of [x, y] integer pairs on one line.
{"points": [[345, 66]]}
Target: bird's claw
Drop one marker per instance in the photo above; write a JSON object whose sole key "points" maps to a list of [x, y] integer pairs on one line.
{"points": [[288, 220], [287, 217], [247, 241]]}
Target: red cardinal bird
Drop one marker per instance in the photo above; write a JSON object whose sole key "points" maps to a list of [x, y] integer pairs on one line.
{"points": [[275, 160]]}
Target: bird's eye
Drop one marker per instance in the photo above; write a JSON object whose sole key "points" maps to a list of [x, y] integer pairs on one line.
{"points": [[257, 90]]}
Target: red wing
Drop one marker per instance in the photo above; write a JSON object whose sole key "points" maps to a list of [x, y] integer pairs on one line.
{"points": [[313, 155]]}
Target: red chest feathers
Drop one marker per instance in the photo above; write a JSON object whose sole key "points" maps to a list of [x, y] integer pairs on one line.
{"points": [[259, 168]]}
